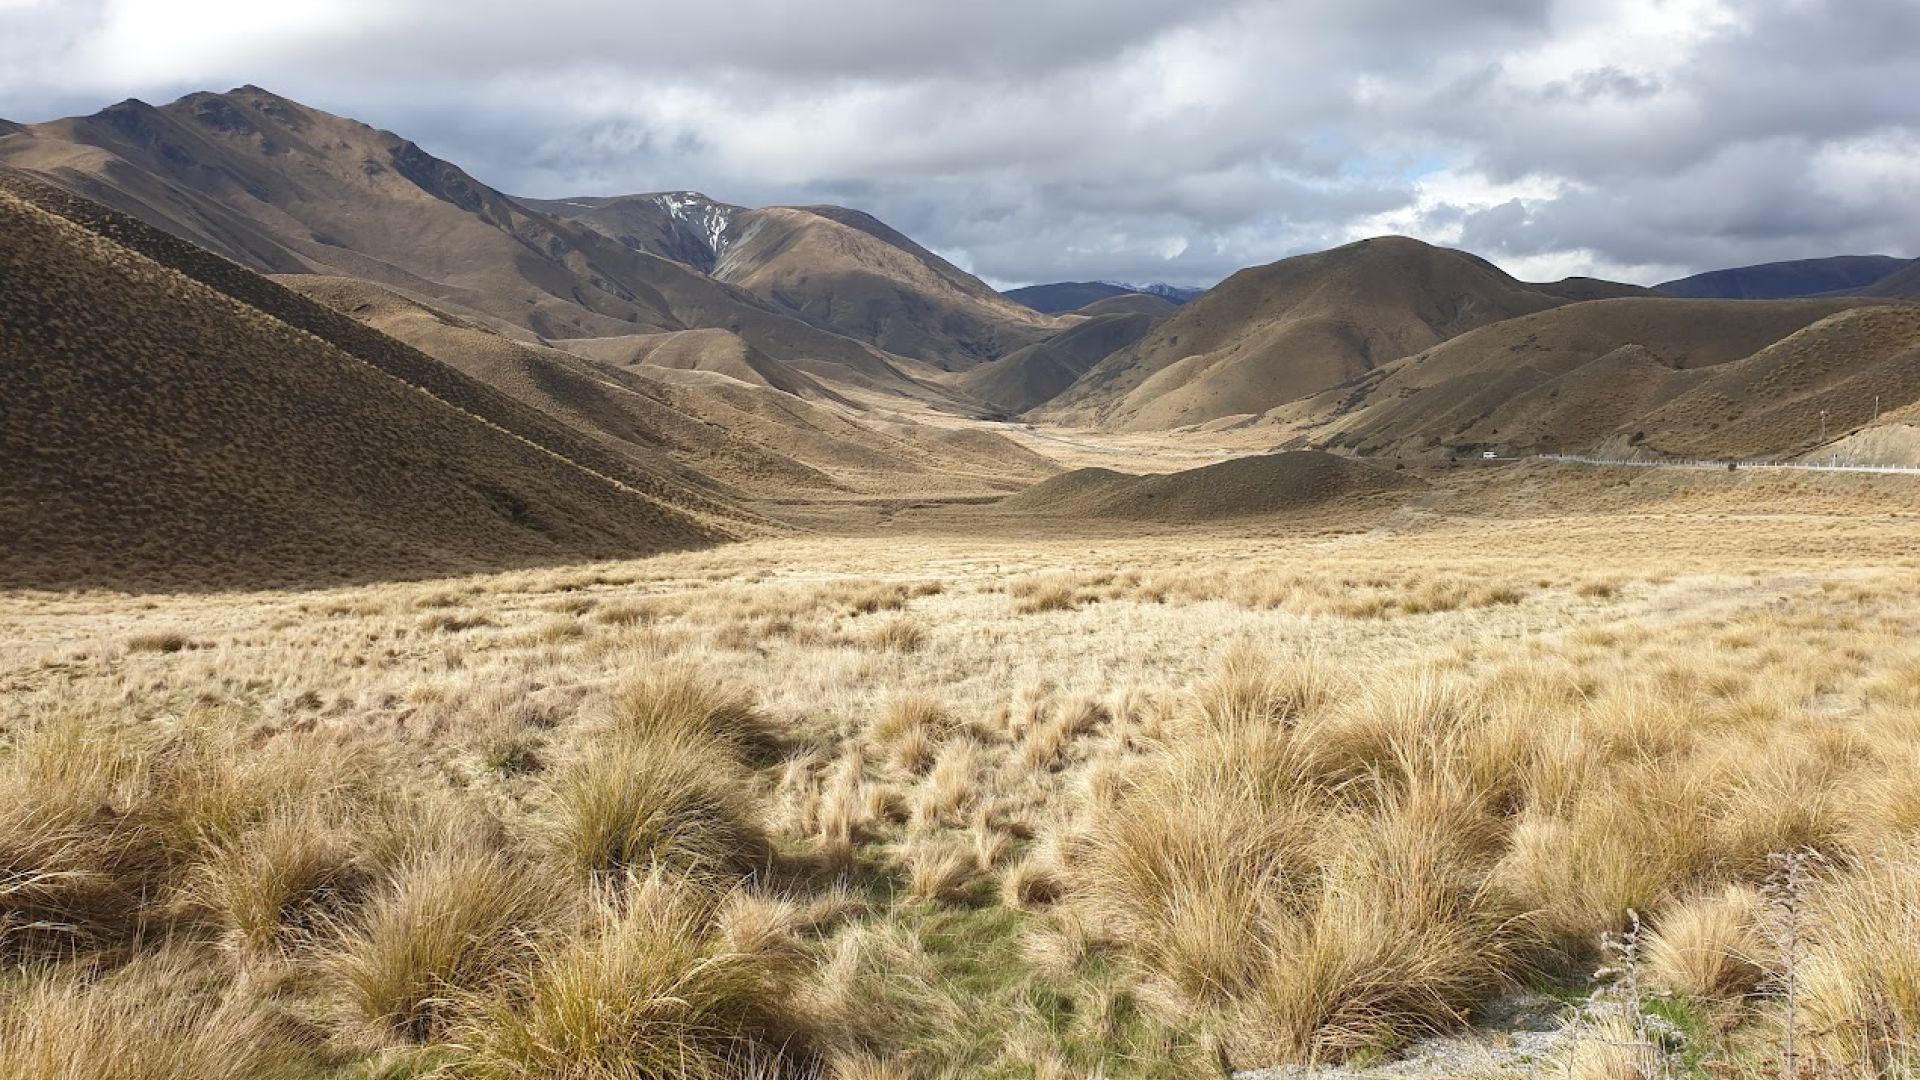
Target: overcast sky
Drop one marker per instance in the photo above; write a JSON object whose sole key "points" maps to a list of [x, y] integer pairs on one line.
{"points": [[1137, 140]]}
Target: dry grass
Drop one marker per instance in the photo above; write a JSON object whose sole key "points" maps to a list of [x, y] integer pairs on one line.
{"points": [[686, 704], [1862, 967], [650, 990], [448, 923], [1712, 947], [276, 880], [159, 1018], [630, 804], [789, 807]]}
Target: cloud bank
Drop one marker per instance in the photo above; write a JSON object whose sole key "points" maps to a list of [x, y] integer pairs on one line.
{"points": [[1135, 140]]}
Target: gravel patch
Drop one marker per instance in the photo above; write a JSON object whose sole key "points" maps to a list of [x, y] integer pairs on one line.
{"points": [[1514, 1037]]}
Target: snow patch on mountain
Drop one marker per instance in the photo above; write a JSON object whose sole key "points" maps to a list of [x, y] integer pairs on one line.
{"points": [[706, 220], [1179, 294]]}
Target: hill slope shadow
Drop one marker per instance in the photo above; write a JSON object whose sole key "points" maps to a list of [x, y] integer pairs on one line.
{"points": [[158, 433]]}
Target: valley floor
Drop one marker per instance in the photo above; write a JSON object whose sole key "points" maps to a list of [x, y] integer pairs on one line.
{"points": [[937, 790]]}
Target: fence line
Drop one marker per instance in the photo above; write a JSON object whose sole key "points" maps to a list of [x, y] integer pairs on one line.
{"points": [[1701, 463]]}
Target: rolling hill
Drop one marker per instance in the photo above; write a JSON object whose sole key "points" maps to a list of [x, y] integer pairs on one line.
{"points": [[283, 188], [1899, 285], [1786, 280], [1034, 375], [1062, 297], [1672, 377], [845, 271], [1158, 307], [684, 226], [716, 352], [1274, 333], [651, 473], [699, 404], [838, 269], [1243, 487], [159, 432]]}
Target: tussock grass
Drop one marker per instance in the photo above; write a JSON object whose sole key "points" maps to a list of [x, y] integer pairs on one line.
{"points": [[1183, 863], [910, 730], [940, 871], [902, 635], [1258, 687], [878, 996], [649, 990], [1061, 591], [1711, 947], [685, 704], [1396, 942], [1031, 884], [1281, 798], [275, 881], [82, 849], [1860, 977], [159, 1018], [876, 598], [159, 641], [1047, 743], [630, 804], [447, 923], [952, 787]]}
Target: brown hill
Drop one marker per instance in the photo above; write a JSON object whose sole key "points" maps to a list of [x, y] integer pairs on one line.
{"points": [[1061, 297], [1891, 438], [684, 226], [1243, 487], [839, 269], [755, 439], [1578, 289], [650, 474], [282, 188], [1158, 307], [1899, 285], [1786, 280], [1031, 376], [1685, 377], [1275, 333], [1851, 367], [719, 352], [847, 272], [158, 432]]}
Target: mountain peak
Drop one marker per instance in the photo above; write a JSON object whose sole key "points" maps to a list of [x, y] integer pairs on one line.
{"points": [[130, 110], [708, 221]]}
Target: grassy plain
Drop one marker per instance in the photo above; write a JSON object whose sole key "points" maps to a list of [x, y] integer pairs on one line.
{"points": [[936, 791]]}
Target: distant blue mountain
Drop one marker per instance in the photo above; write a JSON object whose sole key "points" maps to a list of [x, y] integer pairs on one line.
{"points": [[1065, 296], [1786, 280], [1179, 294]]}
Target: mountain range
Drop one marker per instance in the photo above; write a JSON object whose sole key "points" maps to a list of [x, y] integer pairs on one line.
{"points": [[1274, 333], [565, 378], [1062, 297], [1789, 280], [169, 414]]}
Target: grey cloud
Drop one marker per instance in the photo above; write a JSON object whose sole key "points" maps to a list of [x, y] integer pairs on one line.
{"points": [[1131, 139], [1609, 82], [1753, 203]]}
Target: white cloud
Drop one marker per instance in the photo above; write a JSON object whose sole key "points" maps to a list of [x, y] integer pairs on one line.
{"points": [[1129, 139]]}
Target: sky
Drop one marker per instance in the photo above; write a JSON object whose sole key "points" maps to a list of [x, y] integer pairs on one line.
{"points": [[1129, 140]]}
